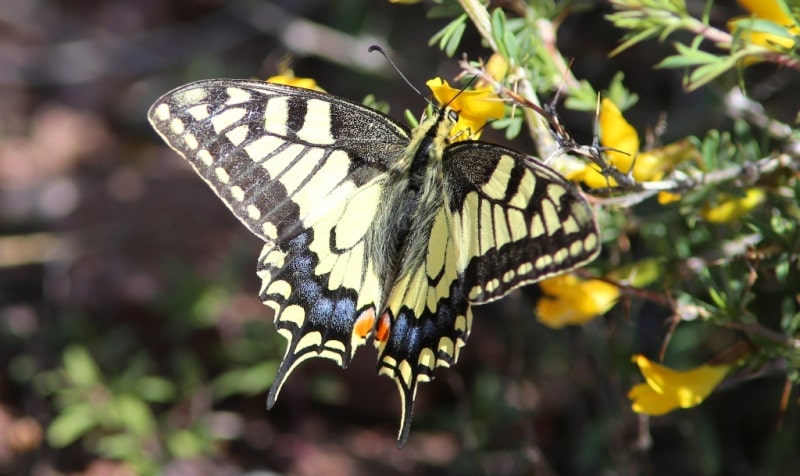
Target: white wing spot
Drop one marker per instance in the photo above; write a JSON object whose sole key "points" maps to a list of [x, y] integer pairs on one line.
{"points": [[570, 225], [516, 224], [162, 112], [575, 248], [276, 115], [555, 192], [205, 157], [176, 126], [524, 191], [312, 339], [590, 241], [192, 96], [561, 255], [199, 112], [497, 186], [427, 358], [222, 175], [524, 269], [551, 221], [262, 147], [537, 227], [461, 321], [270, 231], [227, 118], [238, 135], [253, 212], [191, 141], [296, 315], [275, 258], [474, 292], [316, 127], [237, 96], [279, 287], [237, 193], [502, 234], [543, 261]]}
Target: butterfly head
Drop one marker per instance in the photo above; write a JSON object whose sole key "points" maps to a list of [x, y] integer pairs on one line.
{"points": [[467, 111]]}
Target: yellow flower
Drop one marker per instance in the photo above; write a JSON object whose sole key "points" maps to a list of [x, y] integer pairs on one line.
{"points": [[569, 300], [666, 197], [474, 108], [620, 137], [769, 10], [290, 79], [665, 389], [496, 67], [730, 208]]}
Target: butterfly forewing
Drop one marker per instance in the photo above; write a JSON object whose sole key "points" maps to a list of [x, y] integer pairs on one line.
{"points": [[278, 156]]}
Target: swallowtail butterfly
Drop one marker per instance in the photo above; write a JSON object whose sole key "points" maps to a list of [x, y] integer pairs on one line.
{"points": [[374, 232]]}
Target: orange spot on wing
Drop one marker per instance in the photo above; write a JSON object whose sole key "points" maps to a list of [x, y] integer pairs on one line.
{"points": [[384, 326], [364, 323]]}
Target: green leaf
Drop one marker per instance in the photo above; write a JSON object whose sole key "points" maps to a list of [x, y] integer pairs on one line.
{"points": [[454, 40], [762, 26], [792, 9], [688, 57], [185, 444], [582, 98], [245, 381], [133, 414], [70, 425], [410, 118], [445, 36], [706, 73], [124, 446], [80, 367], [619, 94], [155, 389], [499, 31]]}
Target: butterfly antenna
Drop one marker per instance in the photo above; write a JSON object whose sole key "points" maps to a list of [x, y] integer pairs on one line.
{"points": [[380, 50]]}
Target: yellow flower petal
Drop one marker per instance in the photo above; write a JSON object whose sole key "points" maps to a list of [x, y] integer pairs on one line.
{"points": [[656, 163], [289, 79], [617, 134], [620, 136], [615, 131], [497, 67], [569, 300], [474, 108], [666, 197], [648, 401], [765, 10], [666, 389], [405, 2], [729, 208]]}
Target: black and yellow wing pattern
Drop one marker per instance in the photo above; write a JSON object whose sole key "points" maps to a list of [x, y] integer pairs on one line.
{"points": [[373, 232]]}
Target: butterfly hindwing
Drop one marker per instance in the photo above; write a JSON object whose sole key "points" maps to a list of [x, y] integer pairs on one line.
{"points": [[517, 221], [323, 286]]}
